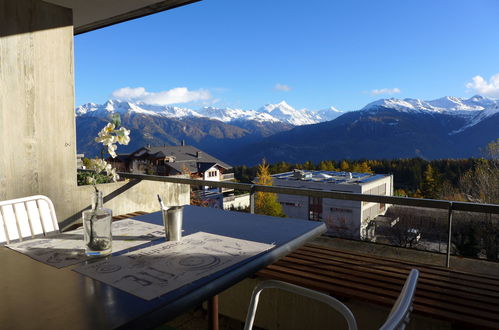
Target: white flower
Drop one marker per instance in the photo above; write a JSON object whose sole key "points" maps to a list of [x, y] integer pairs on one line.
{"points": [[106, 136], [106, 139], [91, 180], [111, 149], [114, 176], [98, 165], [109, 128], [123, 136], [109, 136]]}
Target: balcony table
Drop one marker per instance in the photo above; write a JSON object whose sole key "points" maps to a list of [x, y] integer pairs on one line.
{"points": [[37, 296]]}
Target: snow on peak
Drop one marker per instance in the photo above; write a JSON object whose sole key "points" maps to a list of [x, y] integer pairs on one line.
{"points": [[474, 110], [448, 105], [328, 114], [280, 112], [287, 114]]}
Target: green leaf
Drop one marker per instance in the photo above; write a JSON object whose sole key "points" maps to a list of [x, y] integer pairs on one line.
{"points": [[116, 119]]}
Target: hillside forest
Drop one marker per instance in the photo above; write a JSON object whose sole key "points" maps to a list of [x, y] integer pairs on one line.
{"points": [[471, 179]]}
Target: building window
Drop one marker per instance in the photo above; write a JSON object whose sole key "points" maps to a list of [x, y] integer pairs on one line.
{"points": [[290, 204], [315, 208], [339, 209]]}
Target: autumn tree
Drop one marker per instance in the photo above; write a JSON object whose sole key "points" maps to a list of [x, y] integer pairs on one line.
{"points": [[266, 203], [327, 165], [481, 183], [344, 166], [429, 187], [361, 167], [308, 165]]}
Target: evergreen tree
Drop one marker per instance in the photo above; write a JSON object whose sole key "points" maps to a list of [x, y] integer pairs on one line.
{"points": [[266, 203]]}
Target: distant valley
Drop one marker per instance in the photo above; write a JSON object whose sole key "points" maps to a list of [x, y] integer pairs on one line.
{"points": [[448, 127]]}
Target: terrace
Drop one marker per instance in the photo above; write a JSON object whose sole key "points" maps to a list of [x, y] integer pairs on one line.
{"points": [[37, 81]]}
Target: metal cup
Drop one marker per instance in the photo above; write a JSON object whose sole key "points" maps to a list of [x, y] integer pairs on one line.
{"points": [[172, 219]]}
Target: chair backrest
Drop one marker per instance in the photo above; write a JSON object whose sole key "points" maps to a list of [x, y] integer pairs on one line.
{"points": [[26, 217], [399, 316], [332, 302]]}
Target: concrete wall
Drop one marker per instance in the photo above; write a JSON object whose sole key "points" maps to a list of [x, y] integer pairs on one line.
{"points": [[37, 120], [294, 206], [124, 197]]}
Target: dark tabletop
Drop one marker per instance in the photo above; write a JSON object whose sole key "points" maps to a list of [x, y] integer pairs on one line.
{"points": [[38, 296]]}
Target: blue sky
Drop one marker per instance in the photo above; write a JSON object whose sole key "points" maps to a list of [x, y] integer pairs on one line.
{"points": [[313, 54]]}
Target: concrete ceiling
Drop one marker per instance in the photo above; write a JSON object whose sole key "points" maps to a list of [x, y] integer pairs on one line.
{"points": [[90, 15]]}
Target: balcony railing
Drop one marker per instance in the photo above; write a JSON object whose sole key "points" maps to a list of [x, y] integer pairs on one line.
{"points": [[450, 206], [227, 176]]}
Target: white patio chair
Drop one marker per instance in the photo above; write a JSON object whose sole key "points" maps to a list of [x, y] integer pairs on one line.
{"points": [[399, 316], [27, 217], [324, 298], [397, 319]]}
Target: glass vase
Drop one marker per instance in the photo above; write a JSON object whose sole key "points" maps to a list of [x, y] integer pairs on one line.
{"points": [[97, 228]]}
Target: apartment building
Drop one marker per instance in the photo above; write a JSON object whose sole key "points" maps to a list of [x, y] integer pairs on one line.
{"points": [[345, 218]]}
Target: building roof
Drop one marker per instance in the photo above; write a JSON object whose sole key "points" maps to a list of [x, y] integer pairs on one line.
{"points": [[188, 153], [89, 15], [330, 177], [185, 157]]}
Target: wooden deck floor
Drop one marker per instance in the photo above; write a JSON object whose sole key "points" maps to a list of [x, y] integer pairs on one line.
{"points": [[467, 300]]}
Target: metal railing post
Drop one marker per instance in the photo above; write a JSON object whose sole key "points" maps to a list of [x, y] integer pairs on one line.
{"points": [[449, 237], [252, 199]]}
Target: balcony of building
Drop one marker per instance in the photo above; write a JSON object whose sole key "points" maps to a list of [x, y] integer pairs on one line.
{"points": [[454, 291], [36, 42]]}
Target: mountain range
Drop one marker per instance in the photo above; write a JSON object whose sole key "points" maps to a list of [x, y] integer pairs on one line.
{"points": [[270, 113], [448, 127]]}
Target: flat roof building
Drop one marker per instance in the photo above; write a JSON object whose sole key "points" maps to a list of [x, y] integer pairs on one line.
{"points": [[343, 218]]}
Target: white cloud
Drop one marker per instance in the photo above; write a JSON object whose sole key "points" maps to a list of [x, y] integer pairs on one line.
{"points": [[129, 93], [482, 87], [171, 96], [385, 91], [282, 87]]}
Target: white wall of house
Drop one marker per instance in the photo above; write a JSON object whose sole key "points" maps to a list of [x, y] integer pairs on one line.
{"points": [[237, 201], [212, 174]]}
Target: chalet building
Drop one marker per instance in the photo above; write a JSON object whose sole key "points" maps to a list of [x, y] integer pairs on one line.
{"points": [[345, 218], [173, 160]]}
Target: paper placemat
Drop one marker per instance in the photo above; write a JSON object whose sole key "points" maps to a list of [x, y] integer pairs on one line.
{"points": [[67, 248], [153, 271]]}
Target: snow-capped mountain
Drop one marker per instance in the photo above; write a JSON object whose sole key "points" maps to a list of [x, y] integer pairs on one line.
{"points": [[447, 104], [328, 114], [474, 109], [387, 128], [286, 113], [273, 113], [124, 107], [447, 127]]}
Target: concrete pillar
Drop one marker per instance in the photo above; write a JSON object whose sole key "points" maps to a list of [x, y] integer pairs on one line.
{"points": [[37, 123], [37, 120]]}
